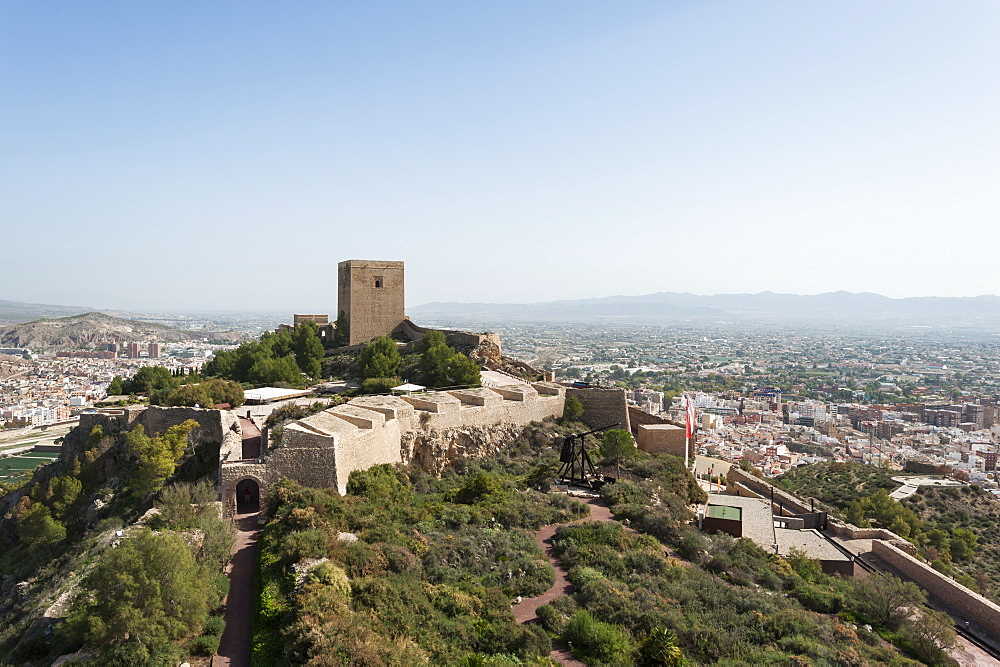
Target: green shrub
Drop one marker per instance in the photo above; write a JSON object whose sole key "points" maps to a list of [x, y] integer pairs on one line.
{"points": [[205, 645], [380, 385], [594, 641], [215, 625], [332, 577]]}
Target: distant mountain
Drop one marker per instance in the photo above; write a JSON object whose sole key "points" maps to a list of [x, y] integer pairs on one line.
{"points": [[13, 312], [836, 308], [88, 330]]}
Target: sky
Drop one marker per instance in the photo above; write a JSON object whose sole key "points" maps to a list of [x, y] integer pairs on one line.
{"points": [[192, 155]]}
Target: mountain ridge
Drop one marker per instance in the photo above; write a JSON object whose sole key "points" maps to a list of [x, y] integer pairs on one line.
{"points": [[87, 330], [762, 307]]}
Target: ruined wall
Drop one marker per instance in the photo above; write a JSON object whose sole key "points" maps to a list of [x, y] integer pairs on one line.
{"points": [[215, 427], [603, 407], [457, 339], [431, 429], [968, 604]]}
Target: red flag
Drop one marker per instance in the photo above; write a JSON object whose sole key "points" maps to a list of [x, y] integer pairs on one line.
{"points": [[689, 418]]}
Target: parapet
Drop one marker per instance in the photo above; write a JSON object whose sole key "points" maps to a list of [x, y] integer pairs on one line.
{"points": [[393, 407], [436, 403], [359, 416], [517, 392], [478, 396]]}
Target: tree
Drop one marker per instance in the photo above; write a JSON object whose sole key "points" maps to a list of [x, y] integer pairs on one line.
{"points": [[380, 358], [148, 379], [268, 370], [342, 334], [157, 456], [116, 388], [208, 393], [885, 600], [308, 349], [573, 410], [148, 590], [36, 527], [443, 366], [617, 444]]}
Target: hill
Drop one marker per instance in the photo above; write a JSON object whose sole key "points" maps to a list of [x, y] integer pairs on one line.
{"points": [[864, 309], [14, 312], [87, 330], [941, 522]]}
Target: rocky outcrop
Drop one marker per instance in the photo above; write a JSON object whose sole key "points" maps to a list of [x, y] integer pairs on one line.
{"points": [[487, 354], [436, 449]]}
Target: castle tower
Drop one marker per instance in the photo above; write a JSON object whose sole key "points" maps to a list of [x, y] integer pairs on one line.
{"points": [[370, 295]]}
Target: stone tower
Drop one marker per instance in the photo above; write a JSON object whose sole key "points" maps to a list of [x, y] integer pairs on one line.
{"points": [[370, 295]]}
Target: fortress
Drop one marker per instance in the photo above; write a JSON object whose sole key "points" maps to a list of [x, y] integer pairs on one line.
{"points": [[431, 429]]}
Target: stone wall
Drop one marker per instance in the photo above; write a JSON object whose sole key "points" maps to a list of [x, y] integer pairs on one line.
{"points": [[215, 427], [639, 417], [661, 438], [762, 488], [603, 407], [457, 339], [961, 600], [431, 429]]}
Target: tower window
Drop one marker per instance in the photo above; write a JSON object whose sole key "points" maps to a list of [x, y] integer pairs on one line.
{"points": [[378, 283]]}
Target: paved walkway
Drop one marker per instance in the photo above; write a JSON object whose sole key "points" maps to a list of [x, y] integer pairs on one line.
{"points": [[234, 647]]}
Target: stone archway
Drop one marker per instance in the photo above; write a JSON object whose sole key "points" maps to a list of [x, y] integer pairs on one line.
{"points": [[247, 496]]}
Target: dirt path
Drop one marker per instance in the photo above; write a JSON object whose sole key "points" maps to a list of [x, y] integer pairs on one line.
{"points": [[234, 647], [526, 610]]}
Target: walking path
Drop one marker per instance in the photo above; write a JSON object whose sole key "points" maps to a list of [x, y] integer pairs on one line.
{"points": [[526, 610], [234, 646]]}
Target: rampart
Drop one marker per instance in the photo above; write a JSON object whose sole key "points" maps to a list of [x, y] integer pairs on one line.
{"points": [[603, 406], [430, 429], [215, 427], [457, 339], [971, 605]]}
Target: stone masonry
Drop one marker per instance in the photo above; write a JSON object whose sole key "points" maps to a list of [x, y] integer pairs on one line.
{"points": [[430, 429], [370, 294]]}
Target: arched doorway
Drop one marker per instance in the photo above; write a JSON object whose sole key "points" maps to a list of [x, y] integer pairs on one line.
{"points": [[247, 496]]}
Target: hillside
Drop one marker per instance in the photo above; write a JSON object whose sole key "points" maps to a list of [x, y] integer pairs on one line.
{"points": [[88, 330], [956, 530], [412, 569], [14, 312]]}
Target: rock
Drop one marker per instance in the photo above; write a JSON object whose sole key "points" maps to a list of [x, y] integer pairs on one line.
{"points": [[94, 510]]}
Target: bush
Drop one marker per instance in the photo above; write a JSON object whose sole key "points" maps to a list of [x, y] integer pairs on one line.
{"points": [[594, 641], [379, 385], [215, 625], [205, 645], [332, 577]]}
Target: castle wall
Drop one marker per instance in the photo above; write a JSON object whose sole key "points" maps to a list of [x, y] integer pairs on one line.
{"points": [[661, 438], [603, 407], [430, 429], [637, 417], [968, 604]]}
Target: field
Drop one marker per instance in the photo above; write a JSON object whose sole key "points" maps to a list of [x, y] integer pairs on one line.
{"points": [[16, 467]]}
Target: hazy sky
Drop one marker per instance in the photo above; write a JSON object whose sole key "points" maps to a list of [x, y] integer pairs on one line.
{"points": [[229, 154]]}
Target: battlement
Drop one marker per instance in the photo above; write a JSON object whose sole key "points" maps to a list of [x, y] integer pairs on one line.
{"points": [[323, 449]]}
